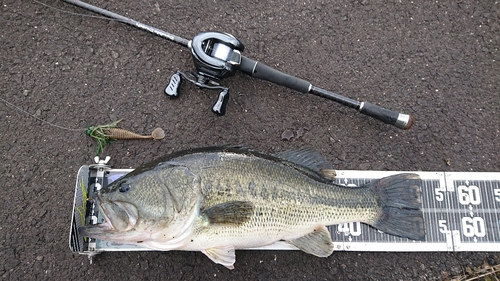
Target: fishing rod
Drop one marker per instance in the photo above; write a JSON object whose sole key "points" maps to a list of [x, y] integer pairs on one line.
{"points": [[218, 55]]}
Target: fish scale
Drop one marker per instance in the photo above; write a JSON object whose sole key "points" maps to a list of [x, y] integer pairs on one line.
{"points": [[287, 200], [216, 200], [293, 188]]}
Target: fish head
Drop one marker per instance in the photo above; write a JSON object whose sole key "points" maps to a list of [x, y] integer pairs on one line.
{"points": [[137, 207]]}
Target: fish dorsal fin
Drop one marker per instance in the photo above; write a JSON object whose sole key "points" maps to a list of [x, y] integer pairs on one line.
{"points": [[232, 212], [328, 174], [222, 255], [316, 243], [310, 159]]}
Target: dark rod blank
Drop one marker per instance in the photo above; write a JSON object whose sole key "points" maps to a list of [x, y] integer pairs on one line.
{"points": [[148, 28]]}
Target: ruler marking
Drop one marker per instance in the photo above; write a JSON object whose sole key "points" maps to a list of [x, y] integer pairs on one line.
{"points": [[486, 194]]}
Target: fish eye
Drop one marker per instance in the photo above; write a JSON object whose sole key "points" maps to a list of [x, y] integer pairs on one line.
{"points": [[124, 187]]}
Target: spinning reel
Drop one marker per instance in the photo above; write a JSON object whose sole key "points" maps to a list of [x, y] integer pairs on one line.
{"points": [[216, 56]]}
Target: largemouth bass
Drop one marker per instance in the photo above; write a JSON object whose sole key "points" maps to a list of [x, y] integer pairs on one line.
{"points": [[219, 199]]}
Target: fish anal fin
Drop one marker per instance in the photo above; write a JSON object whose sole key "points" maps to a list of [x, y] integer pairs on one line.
{"points": [[316, 243], [232, 212], [224, 255]]}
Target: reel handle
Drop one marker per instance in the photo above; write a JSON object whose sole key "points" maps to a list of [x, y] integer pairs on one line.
{"points": [[172, 89], [219, 108]]}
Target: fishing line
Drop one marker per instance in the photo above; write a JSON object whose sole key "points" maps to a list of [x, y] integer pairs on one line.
{"points": [[102, 134], [75, 14], [39, 119], [32, 115]]}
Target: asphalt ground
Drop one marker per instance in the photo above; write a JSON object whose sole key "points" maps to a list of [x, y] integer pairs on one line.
{"points": [[435, 60]]}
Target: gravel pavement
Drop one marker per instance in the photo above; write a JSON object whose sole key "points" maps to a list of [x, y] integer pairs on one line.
{"points": [[435, 60]]}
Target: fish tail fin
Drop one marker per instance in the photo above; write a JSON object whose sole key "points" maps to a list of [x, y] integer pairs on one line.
{"points": [[400, 206]]}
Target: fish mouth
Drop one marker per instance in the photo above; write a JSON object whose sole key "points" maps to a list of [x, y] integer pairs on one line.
{"points": [[118, 216]]}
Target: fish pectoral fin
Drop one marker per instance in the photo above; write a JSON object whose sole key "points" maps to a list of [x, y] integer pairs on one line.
{"points": [[232, 212], [222, 255], [316, 243]]}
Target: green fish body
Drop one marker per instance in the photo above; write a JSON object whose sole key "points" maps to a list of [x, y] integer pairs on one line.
{"points": [[216, 200]]}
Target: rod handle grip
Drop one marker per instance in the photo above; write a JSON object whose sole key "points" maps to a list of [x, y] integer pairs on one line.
{"points": [[400, 120], [264, 72]]}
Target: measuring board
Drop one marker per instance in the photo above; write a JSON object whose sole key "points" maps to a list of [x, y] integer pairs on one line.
{"points": [[461, 213]]}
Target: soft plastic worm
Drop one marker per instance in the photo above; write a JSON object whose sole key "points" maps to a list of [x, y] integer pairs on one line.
{"points": [[121, 134]]}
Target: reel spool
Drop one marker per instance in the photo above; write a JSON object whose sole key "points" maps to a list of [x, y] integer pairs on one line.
{"points": [[216, 55]]}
